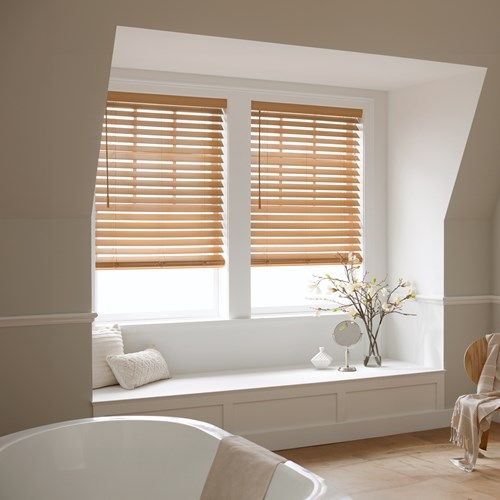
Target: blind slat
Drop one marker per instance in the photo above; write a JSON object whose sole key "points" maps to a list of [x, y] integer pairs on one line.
{"points": [[158, 232], [162, 139], [127, 262], [157, 218], [159, 251], [318, 170], [138, 192], [143, 242], [158, 207], [159, 167], [184, 134], [159, 156]]}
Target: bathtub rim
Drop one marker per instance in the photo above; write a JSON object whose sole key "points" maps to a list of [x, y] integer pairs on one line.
{"points": [[319, 486], [10, 439]]}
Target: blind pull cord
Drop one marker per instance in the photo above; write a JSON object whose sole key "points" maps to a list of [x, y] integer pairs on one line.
{"points": [[260, 200], [107, 159]]}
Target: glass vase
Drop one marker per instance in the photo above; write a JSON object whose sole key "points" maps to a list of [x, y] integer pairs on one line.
{"points": [[373, 358]]}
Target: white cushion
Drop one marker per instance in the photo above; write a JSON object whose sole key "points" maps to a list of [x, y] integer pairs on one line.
{"points": [[138, 368], [105, 341]]}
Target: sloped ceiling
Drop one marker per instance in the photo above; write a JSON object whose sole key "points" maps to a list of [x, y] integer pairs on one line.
{"points": [[56, 57], [142, 49]]}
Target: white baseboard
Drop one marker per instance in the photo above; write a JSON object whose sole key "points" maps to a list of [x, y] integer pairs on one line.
{"points": [[280, 439]]}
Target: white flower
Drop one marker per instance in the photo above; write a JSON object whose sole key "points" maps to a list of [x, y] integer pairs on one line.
{"points": [[353, 259], [351, 310], [349, 288], [387, 308]]}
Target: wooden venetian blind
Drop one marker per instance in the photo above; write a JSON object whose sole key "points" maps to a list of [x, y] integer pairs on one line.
{"points": [[305, 184], [159, 182]]}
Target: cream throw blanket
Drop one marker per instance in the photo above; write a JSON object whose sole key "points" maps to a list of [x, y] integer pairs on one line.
{"points": [[473, 413], [241, 470]]}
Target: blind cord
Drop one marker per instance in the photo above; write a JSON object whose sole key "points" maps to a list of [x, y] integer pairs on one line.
{"points": [[107, 158], [260, 200]]}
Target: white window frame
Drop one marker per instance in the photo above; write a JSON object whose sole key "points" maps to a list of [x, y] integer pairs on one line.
{"points": [[234, 280]]}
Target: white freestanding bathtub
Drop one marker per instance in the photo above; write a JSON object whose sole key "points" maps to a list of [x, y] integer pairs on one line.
{"points": [[125, 458]]}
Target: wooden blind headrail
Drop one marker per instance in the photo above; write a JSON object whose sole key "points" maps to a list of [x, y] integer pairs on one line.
{"points": [[168, 100], [306, 109]]}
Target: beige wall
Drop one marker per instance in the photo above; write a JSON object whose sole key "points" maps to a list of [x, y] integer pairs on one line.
{"points": [[55, 58], [44, 375], [463, 325], [46, 266]]}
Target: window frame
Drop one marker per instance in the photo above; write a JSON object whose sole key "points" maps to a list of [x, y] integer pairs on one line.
{"points": [[233, 282]]}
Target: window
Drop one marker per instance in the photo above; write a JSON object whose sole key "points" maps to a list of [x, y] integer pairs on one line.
{"points": [[160, 210], [156, 293], [158, 200], [305, 197]]}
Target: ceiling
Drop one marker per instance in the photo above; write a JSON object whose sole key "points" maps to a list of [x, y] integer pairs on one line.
{"points": [[137, 48]]}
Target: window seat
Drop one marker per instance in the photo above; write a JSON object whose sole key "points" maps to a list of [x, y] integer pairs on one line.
{"points": [[263, 403], [240, 380]]}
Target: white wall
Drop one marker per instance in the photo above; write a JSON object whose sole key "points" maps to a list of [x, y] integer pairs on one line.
{"points": [[192, 347], [428, 127]]}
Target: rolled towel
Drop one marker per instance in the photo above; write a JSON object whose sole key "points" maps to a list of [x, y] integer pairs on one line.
{"points": [[240, 470]]}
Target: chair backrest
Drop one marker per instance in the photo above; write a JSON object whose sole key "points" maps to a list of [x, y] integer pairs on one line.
{"points": [[474, 358]]}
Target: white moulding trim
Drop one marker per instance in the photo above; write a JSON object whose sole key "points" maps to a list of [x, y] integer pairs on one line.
{"points": [[469, 299], [458, 300], [430, 299], [47, 319]]}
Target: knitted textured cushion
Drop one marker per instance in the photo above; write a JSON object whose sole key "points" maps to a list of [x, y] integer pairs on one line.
{"points": [[138, 368], [105, 341]]}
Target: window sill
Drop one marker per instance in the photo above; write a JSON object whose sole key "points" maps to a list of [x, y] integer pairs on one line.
{"points": [[255, 317]]}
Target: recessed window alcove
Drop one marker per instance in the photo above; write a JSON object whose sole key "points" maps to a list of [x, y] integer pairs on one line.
{"points": [[242, 365]]}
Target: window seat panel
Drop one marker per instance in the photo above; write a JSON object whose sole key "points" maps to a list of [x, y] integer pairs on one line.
{"points": [[292, 406]]}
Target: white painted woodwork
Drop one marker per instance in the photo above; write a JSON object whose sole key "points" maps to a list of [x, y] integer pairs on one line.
{"points": [[378, 402], [47, 319], [264, 415], [293, 406]]}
